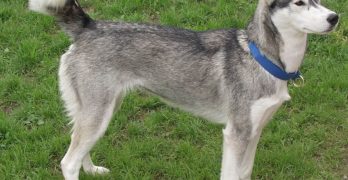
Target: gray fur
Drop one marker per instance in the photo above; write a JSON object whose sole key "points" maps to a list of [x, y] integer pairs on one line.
{"points": [[262, 31], [178, 65], [280, 4], [313, 3], [210, 74]]}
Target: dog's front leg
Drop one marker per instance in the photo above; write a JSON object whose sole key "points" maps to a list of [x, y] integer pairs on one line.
{"points": [[247, 164], [234, 147], [260, 114]]}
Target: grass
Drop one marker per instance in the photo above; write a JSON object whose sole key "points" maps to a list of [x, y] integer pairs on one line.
{"points": [[307, 138]]}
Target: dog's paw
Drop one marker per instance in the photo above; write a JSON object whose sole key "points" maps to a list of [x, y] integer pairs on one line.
{"points": [[97, 170]]}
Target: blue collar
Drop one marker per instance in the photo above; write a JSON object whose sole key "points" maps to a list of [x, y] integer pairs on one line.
{"points": [[270, 67]]}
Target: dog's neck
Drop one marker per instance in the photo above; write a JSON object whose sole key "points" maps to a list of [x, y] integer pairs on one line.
{"points": [[284, 46], [293, 49]]}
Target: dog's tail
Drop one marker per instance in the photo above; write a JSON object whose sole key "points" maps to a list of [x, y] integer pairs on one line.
{"points": [[68, 13]]}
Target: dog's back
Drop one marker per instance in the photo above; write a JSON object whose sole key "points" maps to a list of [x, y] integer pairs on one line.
{"points": [[185, 68]]}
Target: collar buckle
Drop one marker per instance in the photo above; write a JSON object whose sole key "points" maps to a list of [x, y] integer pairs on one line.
{"points": [[298, 82]]}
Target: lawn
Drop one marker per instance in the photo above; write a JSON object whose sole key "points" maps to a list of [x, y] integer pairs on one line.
{"points": [[307, 139]]}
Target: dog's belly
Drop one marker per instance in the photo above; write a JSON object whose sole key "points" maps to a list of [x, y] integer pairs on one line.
{"points": [[205, 101]]}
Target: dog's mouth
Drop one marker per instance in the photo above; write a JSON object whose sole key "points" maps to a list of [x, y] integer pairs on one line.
{"points": [[322, 32], [331, 29], [307, 30]]}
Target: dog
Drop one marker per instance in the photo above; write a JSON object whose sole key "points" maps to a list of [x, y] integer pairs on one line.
{"points": [[235, 77]]}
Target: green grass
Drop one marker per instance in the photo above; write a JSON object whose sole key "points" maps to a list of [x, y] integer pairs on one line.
{"points": [[307, 139]]}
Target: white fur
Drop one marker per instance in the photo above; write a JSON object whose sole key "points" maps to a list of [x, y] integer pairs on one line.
{"points": [[42, 6], [90, 168], [295, 42], [261, 112], [293, 50], [86, 134], [293, 24], [263, 108], [71, 161], [67, 92], [231, 152], [310, 20]]}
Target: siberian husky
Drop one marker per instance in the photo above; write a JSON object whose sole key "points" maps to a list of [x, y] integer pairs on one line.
{"points": [[215, 74]]}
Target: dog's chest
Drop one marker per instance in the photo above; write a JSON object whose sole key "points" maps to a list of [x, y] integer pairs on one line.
{"points": [[263, 108]]}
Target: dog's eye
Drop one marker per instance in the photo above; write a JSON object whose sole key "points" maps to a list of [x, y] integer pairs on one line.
{"points": [[300, 3]]}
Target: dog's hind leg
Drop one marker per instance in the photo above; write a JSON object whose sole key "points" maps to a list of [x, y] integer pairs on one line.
{"points": [[91, 105], [90, 168], [87, 163], [90, 123]]}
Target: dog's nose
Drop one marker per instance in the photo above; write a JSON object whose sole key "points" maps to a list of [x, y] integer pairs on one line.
{"points": [[333, 19]]}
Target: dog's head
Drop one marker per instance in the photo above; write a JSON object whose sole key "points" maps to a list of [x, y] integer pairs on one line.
{"points": [[307, 16]]}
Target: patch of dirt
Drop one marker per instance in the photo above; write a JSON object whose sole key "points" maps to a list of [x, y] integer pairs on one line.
{"points": [[344, 165], [154, 17], [8, 107], [140, 115]]}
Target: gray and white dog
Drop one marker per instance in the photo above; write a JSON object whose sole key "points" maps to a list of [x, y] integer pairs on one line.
{"points": [[211, 74]]}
